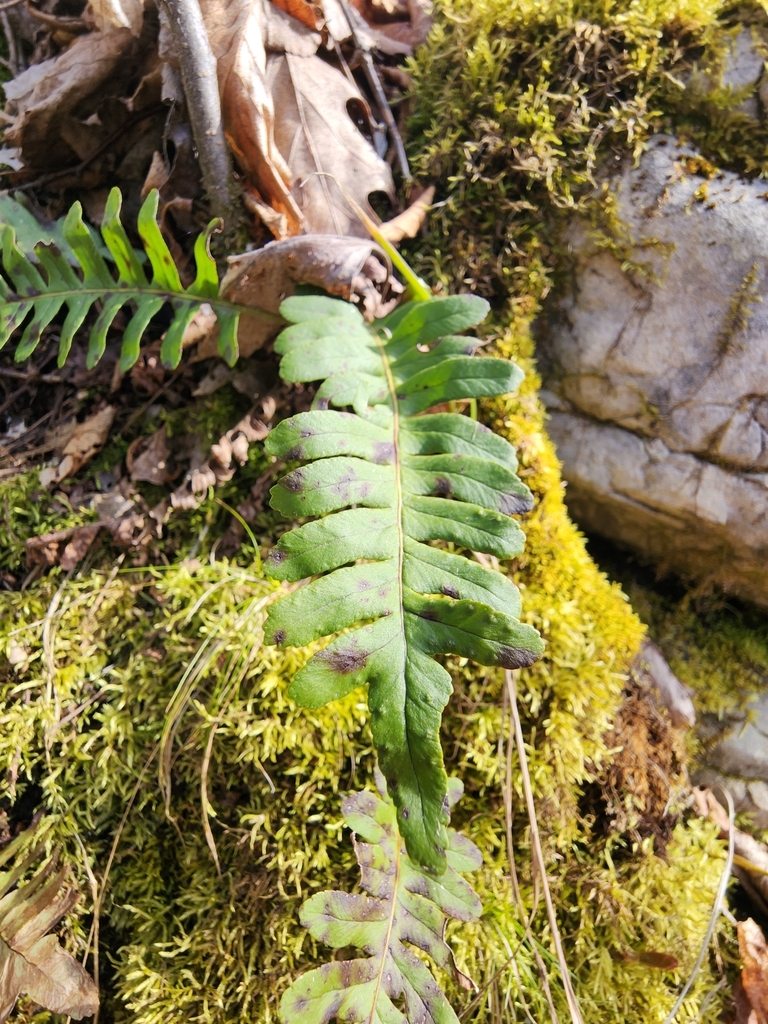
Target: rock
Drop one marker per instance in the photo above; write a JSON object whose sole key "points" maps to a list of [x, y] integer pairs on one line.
{"points": [[655, 358], [652, 669], [741, 70], [737, 759]]}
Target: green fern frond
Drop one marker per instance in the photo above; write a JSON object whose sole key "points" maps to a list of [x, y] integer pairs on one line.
{"points": [[403, 905], [44, 292], [388, 480]]}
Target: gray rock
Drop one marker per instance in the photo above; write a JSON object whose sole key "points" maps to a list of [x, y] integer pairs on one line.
{"points": [[672, 693], [655, 361]]}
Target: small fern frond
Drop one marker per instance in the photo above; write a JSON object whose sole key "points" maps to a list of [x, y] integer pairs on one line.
{"points": [[403, 905], [388, 481], [37, 295]]}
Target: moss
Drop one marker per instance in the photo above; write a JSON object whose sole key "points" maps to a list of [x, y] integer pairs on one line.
{"points": [[523, 107], [135, 674], [142, 705]]}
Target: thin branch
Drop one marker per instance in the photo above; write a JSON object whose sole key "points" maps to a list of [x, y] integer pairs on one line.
{"points": [[372, 75], [201, 89]]}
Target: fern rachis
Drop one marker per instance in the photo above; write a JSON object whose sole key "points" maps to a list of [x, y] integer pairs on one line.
{"points": [[388, 479]]}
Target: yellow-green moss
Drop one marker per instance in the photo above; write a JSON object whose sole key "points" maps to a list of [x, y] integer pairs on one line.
{"points": [[83, 711]]}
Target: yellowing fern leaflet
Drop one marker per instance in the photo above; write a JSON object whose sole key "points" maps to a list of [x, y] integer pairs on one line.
{"points": [[404, 905]]}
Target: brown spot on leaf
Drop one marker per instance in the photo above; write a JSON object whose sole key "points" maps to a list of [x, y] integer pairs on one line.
{"points": [[514, 504], [294, 482], [383, 451], [364, 585], [442, 485], [345, 661], [296, 452], [276, 556], [430, 616], [450, 591], [278, 636], [516, 657]]}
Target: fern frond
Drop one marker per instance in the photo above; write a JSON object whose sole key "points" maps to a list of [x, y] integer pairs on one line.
{"points": [[403, 905], [388, 481], [38, 295]]}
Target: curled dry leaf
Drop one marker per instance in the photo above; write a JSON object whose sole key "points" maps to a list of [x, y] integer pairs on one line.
{"points": [[83, 443], [45, 94], [31, 961], [236, 30], [109, 14], [231, 448], [349, 268], [408, 223]]}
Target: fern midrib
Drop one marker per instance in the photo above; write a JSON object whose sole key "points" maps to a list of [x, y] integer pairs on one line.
{"points": [[138, 290], [399, 513], [390, 923]]}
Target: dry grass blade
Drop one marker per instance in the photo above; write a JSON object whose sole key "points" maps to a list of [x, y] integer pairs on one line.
{"points": [[570, 995], [716, 909]]}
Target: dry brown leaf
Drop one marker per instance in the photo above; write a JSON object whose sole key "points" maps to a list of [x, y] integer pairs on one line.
{"points": [[236, 29], [408, 223], [284, 34], [32, 962], [305, 11], [317, 132], [109, 14], [86, 439], [349, 268], [754, 973], [45, 94], [391, 33], [148, 459], [62, 547]]}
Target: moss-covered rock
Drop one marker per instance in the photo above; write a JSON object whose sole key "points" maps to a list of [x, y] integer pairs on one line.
{"points": [[141, 707]]}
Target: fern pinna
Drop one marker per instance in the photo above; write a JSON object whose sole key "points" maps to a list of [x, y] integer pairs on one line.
{"points": [[388, 479], [45, 289], [402, 904]]}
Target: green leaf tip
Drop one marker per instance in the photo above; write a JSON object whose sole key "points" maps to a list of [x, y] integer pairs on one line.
{"points": [[49, 285], [385, 481], [401, 906]]}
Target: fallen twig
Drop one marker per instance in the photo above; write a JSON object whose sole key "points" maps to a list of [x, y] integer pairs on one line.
{"points": [[201, 89], [372, 76]]}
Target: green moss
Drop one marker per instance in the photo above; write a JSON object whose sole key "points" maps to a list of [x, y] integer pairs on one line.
{"points": [[143, 705], [108, 712], [523, 106]]}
